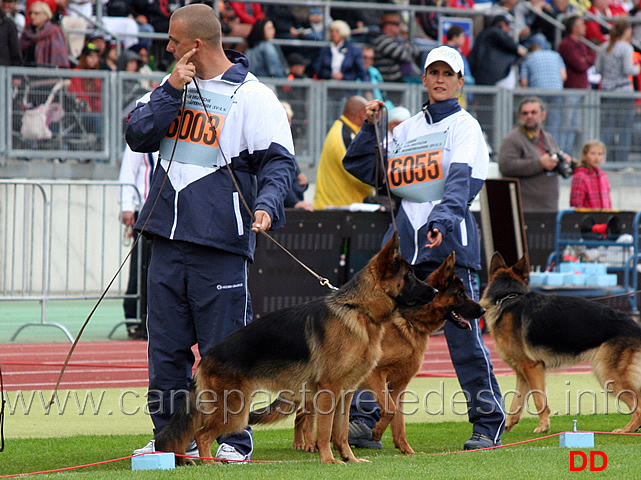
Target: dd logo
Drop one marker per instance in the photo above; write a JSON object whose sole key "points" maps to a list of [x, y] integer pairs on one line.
{"points": [[584, 461]]}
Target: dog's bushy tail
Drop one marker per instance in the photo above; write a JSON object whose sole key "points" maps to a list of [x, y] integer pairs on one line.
{"points": [[278, 410], [179, 432]]}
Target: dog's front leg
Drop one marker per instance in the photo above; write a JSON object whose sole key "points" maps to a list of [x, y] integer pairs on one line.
{"points": [[535, 376], [325, 407], [516, 409], [398, 422], [340, 428]]}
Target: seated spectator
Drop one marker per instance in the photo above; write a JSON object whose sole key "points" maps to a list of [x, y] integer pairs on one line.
{"points": [[248, 13], [341, 60], [133, 88], [590, 184], [265, 57], [395, 55], [88, 91], [297, 66], [10, 8], [605, 10], [284, 20], [334, 185], [109, 57], [42, 43]]}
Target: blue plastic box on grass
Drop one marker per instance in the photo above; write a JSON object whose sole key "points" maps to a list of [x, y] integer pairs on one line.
{"points": [[154, 461]]}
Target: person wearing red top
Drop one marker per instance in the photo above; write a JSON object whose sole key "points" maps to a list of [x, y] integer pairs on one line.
{"points": [[247, 12], [578, 58], [590, 184], [607, 10], [88, 91]]}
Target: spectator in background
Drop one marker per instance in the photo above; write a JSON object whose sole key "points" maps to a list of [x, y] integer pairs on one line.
{"points": [[341, 60], [590, 184], [88, 91], [99, 41], [455, 38], [373, 75], [284, 20], [544, 69], [494, 53], [248, 13], [10, 54], [265, 57], [296, 196], [335, 187], [397, 115], [42, 43], [578, 58], [57, 8], [395, 55], [10, 8], [136, 170], [605, 11], [532, 155], [109, 56], [297, 66], [614, 64]]}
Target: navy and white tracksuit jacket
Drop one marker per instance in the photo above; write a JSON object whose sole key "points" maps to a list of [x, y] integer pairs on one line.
{"points": [[199, 204], [465, 164]]}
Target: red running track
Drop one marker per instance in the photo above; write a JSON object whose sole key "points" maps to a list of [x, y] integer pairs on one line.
{"points": [[122, 364]]}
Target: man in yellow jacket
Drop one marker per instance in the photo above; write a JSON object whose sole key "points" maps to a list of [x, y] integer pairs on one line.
{"points": [[335, 187]]}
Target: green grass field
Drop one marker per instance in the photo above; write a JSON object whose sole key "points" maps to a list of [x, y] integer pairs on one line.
{"points": [[115, 424]]}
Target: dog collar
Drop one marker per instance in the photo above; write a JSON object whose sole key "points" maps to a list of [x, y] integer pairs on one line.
{"points": [[507, 297]]}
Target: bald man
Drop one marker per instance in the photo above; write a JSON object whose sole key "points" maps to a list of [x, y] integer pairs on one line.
{"points": [[335, 187], [203, 240]]}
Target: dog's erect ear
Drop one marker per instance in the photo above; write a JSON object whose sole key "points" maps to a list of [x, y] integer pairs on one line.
{"points": [[389, 255], [439, 276], [496, 263], [522, 268]]}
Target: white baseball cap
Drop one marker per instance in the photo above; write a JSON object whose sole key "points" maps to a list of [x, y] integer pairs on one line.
{"points": [[399, 114], [446, 54]]}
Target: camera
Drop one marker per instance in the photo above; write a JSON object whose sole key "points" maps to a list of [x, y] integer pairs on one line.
{"points": [[564, 169]]}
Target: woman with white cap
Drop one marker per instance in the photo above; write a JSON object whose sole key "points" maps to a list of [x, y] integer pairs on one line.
{"points": [[438, 162]]}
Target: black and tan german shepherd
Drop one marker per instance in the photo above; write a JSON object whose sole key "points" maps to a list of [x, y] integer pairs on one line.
{"points": [[535, 332], [405, 340], [321, 350]]}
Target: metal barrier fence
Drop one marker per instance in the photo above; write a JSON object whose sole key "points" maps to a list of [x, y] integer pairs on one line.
{"points": [[60, 241], [76, 132]]}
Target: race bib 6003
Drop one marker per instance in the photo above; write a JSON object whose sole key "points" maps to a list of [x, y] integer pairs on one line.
{"points": [[195, 135]]}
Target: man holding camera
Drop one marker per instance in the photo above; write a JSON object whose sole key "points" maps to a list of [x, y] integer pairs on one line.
{"points": [[532, 155]]}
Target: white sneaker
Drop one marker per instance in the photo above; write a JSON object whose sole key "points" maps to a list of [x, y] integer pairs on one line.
{"points": [[227, 452], [150, 447], [192, 449]]}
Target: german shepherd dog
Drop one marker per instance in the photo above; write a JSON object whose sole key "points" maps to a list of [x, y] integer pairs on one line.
{"points": [[534, 332], [405, 340], [322, 348]]}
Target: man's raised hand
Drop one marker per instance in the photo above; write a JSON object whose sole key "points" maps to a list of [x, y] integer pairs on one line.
{"points": [[183, 72]]}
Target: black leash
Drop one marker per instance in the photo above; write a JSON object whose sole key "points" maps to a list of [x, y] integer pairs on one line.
{"points": [[380, 123], [322, 280], [2, 402], [113, 279]]}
